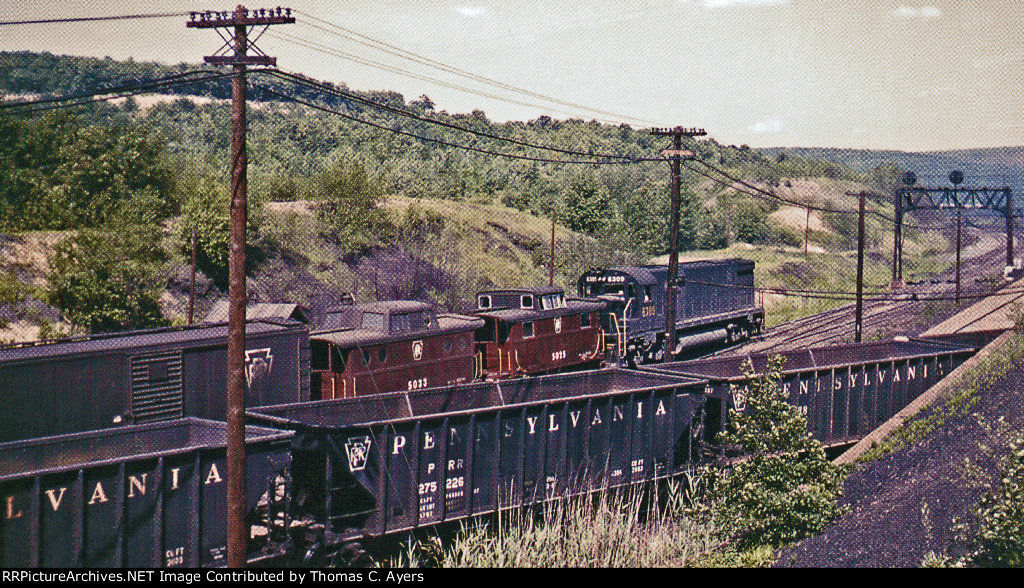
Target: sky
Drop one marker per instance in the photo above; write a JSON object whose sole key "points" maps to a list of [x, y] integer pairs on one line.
{"points": [[875, 74]]}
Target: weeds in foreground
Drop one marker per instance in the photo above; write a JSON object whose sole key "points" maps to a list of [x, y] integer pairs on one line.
{"points": [[997, 539], [606, 530]]}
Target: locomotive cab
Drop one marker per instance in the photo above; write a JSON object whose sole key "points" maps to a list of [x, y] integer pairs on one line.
{"points": [[714, 304]]}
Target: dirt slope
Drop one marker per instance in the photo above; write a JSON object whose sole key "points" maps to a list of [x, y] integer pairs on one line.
{"points": [[904, 505]]}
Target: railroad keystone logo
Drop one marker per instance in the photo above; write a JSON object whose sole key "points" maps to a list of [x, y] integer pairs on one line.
{"points": [[358, 451], [558, 325], [417, 350], [258, 364]]}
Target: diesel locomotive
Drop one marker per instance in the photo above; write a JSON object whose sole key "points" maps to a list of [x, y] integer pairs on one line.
{"points": [[715, 303]]}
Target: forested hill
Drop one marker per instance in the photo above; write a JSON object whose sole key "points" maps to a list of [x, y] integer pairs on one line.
{"points": [[111, 174], [290, 142], [992, 167]]}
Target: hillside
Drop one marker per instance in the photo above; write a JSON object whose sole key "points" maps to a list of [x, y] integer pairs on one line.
{"points": [[372, 194], [992, 167]]}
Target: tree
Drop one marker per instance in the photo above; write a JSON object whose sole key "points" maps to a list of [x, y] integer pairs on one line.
{"points": [[108, 280], [350, 205], [783, 487], [587, 206]]}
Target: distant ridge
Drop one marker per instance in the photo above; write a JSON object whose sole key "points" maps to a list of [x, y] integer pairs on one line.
{"points": [[993, 167]]}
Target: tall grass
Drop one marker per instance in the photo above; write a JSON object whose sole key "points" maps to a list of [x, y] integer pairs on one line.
{"points": [[606, 530]]}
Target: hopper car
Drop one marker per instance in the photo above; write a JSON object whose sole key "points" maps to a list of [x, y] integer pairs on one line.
{"points": [[326, 478]]}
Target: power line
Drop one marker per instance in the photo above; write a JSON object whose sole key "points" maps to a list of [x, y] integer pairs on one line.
{"points": [[101, 91], [95, 18], [774, 196], [404, 72], [27, 107], [422, 60], [432, 140], [406, 113]]}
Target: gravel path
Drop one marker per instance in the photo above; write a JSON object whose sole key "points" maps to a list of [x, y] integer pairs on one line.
{"points": [[904, 505]]}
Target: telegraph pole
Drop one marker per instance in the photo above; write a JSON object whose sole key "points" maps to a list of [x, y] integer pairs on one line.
{"points": [[236, 27], [551, 270], [858, 322], [677, 154]]}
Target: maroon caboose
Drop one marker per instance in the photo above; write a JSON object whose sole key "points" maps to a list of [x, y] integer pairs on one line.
{"points": [[390, 346], [530, 331]]}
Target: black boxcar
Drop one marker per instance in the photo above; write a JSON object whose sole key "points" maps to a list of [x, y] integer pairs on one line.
{"points": [[151, 375], [140, 496], [380, 464], [715, 302], [846, 391]]}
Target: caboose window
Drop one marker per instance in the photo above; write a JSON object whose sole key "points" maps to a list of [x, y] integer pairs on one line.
{"points": [[373, 321], [366, 357], [527, 330], [483, 302], [552, 301], [585, 320], [527, 301], [399, 323], [647, 294], [382, 354]]}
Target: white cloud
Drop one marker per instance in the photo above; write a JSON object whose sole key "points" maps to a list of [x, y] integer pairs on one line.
{"points": [[471, 11], [925, 12], [771, 125], [731, 3]]}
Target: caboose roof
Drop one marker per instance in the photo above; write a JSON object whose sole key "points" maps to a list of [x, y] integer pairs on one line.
{"points": [[518, 315], [535, 290], [446, 324], [345, 327]]}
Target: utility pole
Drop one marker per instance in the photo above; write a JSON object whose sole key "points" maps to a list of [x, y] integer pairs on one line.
{"points": [[807, 230], [236, 27], [859, 316], [192, 286], [677, 154], [959, 242], [551, 270]]}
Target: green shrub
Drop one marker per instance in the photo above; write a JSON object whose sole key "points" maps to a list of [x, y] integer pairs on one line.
{"points": [[783, 488], [349, 203], [999, 541], [108, 281]]}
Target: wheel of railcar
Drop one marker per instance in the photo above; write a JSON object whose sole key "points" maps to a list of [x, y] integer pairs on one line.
{"points": [[656, 353], [634, 357], [349, 554]]}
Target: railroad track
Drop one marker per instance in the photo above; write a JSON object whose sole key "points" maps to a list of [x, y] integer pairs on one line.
{"points": [[901, 313]]}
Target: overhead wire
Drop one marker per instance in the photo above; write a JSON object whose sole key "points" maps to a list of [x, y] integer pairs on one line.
{"points": [[27, 107], [431, 139], [95, 18], [390, 49], [404, 72], [409, 114], [147, 84]]}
